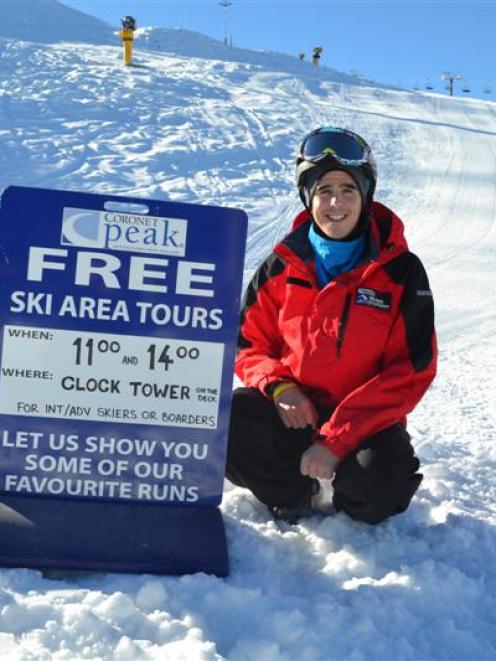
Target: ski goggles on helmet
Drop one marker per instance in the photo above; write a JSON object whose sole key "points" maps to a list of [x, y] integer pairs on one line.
{"points": [[344, 146]]}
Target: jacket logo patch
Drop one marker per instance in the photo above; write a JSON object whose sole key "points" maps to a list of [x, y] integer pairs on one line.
{"points": [[374, 299]]}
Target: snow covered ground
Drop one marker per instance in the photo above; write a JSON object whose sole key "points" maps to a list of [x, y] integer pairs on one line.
{"points": [[196, 129]]}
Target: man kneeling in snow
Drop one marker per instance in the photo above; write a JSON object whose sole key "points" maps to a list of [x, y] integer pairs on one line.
{"points": [[336, 347]]}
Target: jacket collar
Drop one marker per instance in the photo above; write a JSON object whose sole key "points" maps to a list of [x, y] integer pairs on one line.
{"points": [[386, 237]]}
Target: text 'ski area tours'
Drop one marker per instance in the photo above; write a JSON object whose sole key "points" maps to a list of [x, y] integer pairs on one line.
{"points": [[117, 344]]}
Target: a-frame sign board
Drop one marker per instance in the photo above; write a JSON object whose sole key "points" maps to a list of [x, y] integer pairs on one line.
{"points": [[118, 325]]}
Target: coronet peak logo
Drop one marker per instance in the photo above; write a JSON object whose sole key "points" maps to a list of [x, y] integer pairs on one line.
{"points": [[131, 232]]}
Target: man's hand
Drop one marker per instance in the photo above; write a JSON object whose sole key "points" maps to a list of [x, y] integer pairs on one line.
{"points": [[295, 409], [318, 462]]}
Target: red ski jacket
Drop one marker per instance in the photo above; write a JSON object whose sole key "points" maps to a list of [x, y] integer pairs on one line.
{"points": [[364, 345]]}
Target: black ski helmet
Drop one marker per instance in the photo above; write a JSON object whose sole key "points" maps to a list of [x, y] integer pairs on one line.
{"points": [[333, 148]]}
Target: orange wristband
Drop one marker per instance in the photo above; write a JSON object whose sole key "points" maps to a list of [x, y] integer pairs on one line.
{"points": [[282, 387]]}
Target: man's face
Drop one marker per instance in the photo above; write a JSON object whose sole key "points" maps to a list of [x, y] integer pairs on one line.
{"points": [[336, 204]]}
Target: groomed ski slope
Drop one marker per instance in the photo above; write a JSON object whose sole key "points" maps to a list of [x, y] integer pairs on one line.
{"points": [[421, 586]]}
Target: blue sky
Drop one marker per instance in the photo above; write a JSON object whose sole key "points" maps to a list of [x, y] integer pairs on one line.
{"points": [[395, 42]]}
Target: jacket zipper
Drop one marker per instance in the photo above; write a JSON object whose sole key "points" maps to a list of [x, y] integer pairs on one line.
{"points": [[343, 322]]}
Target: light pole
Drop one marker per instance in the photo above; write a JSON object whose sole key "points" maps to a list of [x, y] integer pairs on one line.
{"points": [[225, 4], [451, 77]]}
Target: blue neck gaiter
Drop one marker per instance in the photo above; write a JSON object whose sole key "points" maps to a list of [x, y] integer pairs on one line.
{"points": [[334, 257]]}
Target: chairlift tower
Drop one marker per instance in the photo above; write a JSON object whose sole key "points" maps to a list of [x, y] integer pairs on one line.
{"points": [[450, 77], [225, 4]]}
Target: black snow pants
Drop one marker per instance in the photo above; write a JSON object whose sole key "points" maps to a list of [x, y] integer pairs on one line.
{"points": [[378, 479]]}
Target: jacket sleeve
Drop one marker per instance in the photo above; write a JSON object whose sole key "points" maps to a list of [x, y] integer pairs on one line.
{"points": [[408, 368], [260, 345]]}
